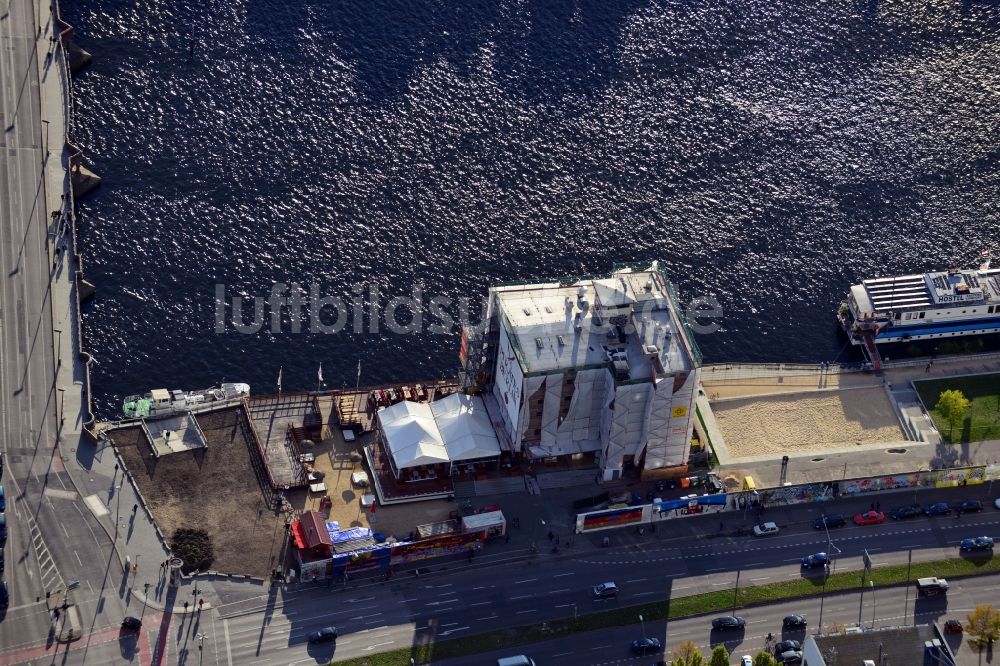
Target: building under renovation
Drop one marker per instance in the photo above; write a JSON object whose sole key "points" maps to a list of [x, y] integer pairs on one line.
{"points": [[601, 367]]}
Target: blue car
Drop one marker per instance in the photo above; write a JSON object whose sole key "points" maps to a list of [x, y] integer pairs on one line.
{"points": [[3, 531], [977, 543], [938, 509], [3, 500], [815, 560]]}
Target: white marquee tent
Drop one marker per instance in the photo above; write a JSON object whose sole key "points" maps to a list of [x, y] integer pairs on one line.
{"points": [[454, 429], [411, 435], [465, 427]]}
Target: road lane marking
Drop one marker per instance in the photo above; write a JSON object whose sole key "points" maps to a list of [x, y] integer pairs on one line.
{"points": [[564, 574], [229, 651], [562, 654], [529, 580], [96, 506], [526, 611], [527, 596], [61, 494], [600, 647], [481, 603], [713, 570], [372, 647], [635, 580]]}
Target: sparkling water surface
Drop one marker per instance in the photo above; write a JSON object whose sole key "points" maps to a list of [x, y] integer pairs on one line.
{"points": [[770, 154]]}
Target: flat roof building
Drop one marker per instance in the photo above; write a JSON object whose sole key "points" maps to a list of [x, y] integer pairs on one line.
{"points": [[919, 645], [602, 366]]}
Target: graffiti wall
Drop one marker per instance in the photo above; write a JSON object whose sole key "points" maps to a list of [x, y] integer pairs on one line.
{"points": [[811, 492], [450, 544], [877, 484]]}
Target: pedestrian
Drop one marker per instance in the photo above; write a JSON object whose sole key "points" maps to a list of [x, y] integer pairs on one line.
{"points": [[135, 507], [928, 368], [185, 607], [506, 538]]}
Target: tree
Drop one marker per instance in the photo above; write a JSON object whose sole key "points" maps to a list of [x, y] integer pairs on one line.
{"points": [[984, 626], [720, 656], [686, 654], [765, 659], [953, 406], [194, 547]]}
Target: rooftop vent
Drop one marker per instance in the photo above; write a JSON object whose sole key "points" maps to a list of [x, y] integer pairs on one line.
{"points": [[868, 662], [652, 350], [539, 343], [561, 341], [548, 309], [526, 311], [649, 284]]}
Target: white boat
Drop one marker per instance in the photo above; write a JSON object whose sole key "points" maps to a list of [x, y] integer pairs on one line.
{"points": [[940, 304], [161, 402]]}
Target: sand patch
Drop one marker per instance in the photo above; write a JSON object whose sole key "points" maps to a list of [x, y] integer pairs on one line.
{"points": [[797, 422]]}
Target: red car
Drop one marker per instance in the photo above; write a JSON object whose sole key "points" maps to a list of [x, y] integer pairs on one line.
{"points": [[869, 518], [953, 627]]}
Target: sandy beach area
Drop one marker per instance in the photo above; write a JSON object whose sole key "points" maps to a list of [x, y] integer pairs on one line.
{"points": [[807, 421]]}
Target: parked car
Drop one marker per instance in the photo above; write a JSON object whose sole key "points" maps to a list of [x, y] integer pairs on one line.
{"points": [[790, 657], [832, 520], [3, 500], [785, 646], [324, 635], [953, 627], [815, 560], [969, 506], [3, 530], [793, 622], [908, 511], [132, 623], [605, 590], [996, 503], [728, 622], [765, 529], [977, 543], [869, 518], [4, 594], [746, 660], [646, 645], [938, 509]]}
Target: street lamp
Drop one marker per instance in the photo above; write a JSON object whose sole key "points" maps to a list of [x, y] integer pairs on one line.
{"points": [[201, 653], [145, 598], [871, 584]]}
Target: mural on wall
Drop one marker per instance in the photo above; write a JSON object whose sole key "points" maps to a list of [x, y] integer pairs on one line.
{"points": [[810, 492], [879, 483], [614, 518], [450, 544], [991, 472]]}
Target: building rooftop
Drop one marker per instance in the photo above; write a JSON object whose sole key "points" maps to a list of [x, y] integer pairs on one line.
{"points": [[890, 646], [624, 320]]}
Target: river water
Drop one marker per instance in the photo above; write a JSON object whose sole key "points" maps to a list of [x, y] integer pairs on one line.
{"points": [[770, 154]]}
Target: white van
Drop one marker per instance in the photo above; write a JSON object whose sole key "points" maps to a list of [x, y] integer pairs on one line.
{"points": [[519, 660]]}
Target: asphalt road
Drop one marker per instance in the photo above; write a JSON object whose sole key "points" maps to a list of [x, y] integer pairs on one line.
{"points": [[468, 599], [51, 531], [887, 607]]}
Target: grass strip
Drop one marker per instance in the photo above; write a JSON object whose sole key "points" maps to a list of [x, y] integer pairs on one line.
{"points": [[678, 607]]}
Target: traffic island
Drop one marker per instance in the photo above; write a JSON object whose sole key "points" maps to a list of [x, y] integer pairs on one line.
{"points": [[843, 582]]}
